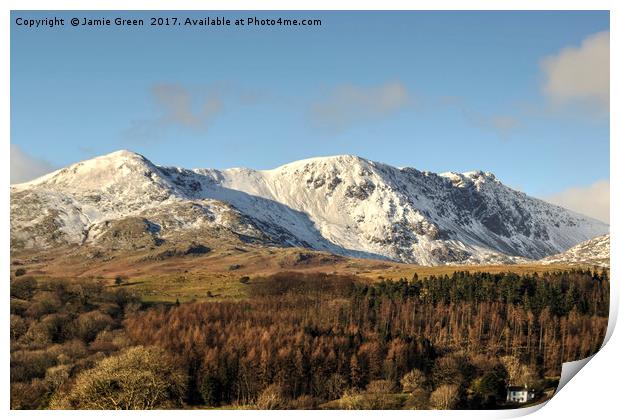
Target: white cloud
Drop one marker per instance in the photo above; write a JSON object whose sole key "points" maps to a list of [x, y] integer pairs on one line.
{"points": [[579, 74], [349, 104], [26, 168], [177, 106], [592, 200]]}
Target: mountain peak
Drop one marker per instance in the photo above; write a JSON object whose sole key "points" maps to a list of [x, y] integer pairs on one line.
{"points": [[339, 160], [471, 178], [482, 175], [122, 167], [123, 154], [118, 157]]}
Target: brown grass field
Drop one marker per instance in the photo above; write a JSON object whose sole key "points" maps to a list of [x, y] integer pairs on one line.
{"points": [[216, 274]]}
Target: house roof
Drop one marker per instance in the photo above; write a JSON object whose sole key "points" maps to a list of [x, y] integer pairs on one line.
{"points": [[518, 388]]}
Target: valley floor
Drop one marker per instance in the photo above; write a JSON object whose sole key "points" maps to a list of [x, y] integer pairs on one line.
{"points": [[217, 274]]}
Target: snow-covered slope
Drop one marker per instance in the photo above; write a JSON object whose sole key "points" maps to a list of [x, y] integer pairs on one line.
{"points": [[594, 251], [342, 204]]}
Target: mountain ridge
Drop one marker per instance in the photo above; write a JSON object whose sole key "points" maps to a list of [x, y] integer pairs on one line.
{"points": [[342, 204]]}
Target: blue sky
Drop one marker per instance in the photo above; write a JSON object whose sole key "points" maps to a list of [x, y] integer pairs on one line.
{"points": [[437, 91]]}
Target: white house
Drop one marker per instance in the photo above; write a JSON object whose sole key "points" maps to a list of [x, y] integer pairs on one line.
{"points": [[519, 394]]}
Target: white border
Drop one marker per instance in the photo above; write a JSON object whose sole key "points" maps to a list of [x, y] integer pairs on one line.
{"points": [[593, 395]]}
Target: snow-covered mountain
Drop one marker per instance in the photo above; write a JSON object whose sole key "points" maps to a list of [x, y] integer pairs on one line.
{"points": [[342, 204], [593, 252]]}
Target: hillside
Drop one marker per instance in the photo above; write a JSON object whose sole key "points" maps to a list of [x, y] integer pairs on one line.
{"points": [[592, 252]]}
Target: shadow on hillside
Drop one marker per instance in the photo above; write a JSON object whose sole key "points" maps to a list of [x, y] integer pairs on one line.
{"points": [[269, 215]]}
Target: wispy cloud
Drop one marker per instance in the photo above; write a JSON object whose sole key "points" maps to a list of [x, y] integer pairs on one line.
{"points": [[176, 106], [591, 200], [502, 124], [579, 75], [25, 167], [347, 105]]}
